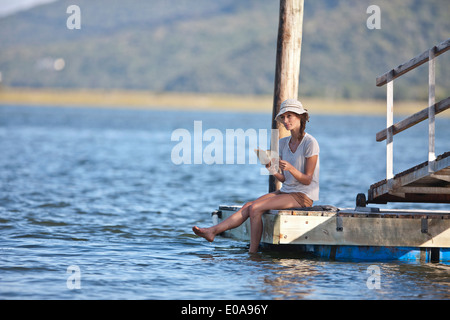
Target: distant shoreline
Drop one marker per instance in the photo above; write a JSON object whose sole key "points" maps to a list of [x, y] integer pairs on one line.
{"points": [[191, 101]]}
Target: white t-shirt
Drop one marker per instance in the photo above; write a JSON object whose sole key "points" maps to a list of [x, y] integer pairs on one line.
{"points": [[308, 147]]}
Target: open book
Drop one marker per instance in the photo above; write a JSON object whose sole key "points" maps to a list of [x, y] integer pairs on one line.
{"points": [[263, 155]]}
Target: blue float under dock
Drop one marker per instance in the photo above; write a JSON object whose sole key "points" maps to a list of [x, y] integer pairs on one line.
{"points": [[373, 253]]}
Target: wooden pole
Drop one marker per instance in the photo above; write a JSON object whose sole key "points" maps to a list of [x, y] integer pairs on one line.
{"points": [[287, 68]]}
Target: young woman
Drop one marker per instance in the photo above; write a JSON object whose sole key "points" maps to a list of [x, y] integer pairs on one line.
{"points": [[299, 164]]}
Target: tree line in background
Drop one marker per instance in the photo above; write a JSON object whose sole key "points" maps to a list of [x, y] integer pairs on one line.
{"points": [[221, 46]]}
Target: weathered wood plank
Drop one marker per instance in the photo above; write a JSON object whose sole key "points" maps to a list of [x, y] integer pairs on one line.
{"points": [[424, 190], [361, 231], [414, 119], [412, 64], [408, 197]]}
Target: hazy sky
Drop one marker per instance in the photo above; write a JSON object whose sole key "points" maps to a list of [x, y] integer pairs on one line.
{"points": [[10, 6]]}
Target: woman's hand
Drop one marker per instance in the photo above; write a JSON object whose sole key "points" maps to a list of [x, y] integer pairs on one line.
{"points": [[286, 166], [304, 178], [272, 169]]}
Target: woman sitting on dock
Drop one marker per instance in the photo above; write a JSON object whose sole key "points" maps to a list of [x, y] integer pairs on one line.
{"points": [[299, 164]]}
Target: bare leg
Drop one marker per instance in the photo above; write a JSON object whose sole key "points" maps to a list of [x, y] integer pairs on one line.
{"points": [[231, 222], [281, 201]]}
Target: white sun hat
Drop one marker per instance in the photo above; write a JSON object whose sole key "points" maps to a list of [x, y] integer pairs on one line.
{"points": [[291, 105]]}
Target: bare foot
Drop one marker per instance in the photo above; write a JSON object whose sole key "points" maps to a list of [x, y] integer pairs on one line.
{"points": [[204, 233]]}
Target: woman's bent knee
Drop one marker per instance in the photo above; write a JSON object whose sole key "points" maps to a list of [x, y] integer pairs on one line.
{"points": [[254, 212]]}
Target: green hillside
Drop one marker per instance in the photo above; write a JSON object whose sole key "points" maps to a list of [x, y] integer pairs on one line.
{"points": [[222, 46]]}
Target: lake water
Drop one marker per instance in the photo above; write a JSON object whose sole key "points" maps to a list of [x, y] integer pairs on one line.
{"points": [[93, 207]]}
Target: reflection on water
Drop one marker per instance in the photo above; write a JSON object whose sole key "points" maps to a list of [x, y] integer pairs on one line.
{"points": [[96, 188], [305, 277], [291, 281]]}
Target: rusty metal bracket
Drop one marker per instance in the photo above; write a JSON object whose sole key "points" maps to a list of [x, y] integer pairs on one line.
{"points": [[424, 225]]}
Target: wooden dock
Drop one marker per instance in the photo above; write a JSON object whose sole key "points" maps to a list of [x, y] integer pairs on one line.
{"points": [[375, 234], [362, 233]]}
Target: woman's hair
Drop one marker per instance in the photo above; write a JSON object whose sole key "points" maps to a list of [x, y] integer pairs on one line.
{"points": [[303, 119]]}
